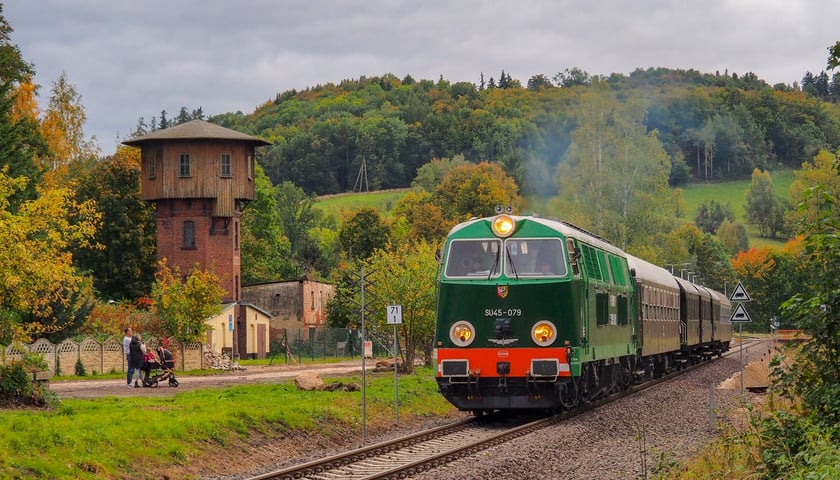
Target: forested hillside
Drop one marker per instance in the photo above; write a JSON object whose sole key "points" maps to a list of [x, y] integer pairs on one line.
{"points": [[712, 126]]}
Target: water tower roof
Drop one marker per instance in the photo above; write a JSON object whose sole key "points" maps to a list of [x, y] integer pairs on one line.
{"points": [[195, 130]]}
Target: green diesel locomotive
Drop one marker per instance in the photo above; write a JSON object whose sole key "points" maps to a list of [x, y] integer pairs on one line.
{"points": [[535, 313]]}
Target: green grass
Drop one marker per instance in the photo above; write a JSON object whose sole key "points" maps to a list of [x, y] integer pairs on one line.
{"points": [[383, 200], [734, 194], [133, 437]]}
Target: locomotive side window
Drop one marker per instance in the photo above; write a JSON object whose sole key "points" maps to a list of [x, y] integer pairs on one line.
{"points": [[590, 263], [574, 256], [618, 268], [474, 258]]}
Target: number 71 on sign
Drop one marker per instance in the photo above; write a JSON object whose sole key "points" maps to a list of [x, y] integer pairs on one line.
{"points": [[394, 315]]}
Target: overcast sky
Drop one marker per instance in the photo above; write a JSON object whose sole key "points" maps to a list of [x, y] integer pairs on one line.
{"points": [[133, 58]]}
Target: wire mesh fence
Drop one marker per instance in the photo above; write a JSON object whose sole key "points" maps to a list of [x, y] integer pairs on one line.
{"points": [[321, 343]]}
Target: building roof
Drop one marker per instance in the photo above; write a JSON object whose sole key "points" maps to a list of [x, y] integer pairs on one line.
{"points": [[195, 130]]}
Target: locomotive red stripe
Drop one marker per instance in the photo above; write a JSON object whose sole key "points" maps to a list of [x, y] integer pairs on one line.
{"points": [[483, 360]]}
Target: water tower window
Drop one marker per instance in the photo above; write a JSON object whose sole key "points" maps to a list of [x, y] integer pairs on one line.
{"points": [[150, 165], [185, 165], [189, 235], [225, 163]]}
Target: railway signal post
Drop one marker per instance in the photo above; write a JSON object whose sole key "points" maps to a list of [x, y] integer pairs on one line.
{"points": [[740, 316], [394, 318]]}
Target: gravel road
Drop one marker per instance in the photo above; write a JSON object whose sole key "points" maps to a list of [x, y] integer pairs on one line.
{"points": [[250, 375]]}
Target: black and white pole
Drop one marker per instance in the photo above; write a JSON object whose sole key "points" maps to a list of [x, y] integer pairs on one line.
{"points": [[394, 318], [364, 370]]}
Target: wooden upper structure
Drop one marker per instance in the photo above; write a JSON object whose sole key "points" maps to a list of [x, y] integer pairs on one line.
{"points": [[198, 160]]}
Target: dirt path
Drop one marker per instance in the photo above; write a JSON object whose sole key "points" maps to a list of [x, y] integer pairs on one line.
{"points": [[250, 375]]}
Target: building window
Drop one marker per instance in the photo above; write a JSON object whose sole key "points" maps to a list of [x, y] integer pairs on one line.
{"points": [[189, 234], [236, 234], [250, 167], [185, 165], [225, 165], [150, 165]]}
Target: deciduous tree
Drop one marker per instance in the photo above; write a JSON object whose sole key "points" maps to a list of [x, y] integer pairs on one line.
{"points": [[363, 232], [764, 208], [298, 217], [614, 180], [63, 126], [816, 308], [185, 305], [819, 172], [406, 276], [476, 190], [41, 291], [265, 250]]}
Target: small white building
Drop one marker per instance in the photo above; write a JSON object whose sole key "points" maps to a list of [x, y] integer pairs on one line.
{"points": [[240, 330]]}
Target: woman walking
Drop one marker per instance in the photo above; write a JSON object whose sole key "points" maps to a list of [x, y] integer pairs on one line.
{"points": [[136, 352]]}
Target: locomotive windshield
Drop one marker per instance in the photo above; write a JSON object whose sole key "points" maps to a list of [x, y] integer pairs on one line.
{"points": [[474, 258], [534, 257], [530, 258]]}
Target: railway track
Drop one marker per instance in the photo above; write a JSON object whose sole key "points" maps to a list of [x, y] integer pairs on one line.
{"points": [[413, 454]]}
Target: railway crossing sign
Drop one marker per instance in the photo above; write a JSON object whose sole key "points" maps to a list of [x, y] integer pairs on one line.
{"points": [[740, 315], [739, 294]]}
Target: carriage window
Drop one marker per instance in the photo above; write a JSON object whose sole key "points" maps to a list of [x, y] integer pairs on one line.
{"points": [[474, 258]]}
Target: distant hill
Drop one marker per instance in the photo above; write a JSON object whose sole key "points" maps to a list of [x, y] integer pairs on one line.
{"points": [[712, 126]]}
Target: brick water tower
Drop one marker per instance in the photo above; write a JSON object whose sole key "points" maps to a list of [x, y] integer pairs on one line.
{"points": [[199, 176]]}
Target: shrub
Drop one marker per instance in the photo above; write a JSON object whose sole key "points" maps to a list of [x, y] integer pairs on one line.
{"points": [[17, 386], [80, 368]]}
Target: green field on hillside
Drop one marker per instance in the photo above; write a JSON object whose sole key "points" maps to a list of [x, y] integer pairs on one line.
{"points": [[384, 201], [726, 193], [734, 194]]}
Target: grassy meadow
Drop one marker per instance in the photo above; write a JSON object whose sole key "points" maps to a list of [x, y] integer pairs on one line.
{"points": [[337, 204], [140, 437], [733, 194]]}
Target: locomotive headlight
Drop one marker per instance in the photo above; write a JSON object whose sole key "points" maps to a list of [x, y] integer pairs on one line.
{"points": [[503, 226], [462, 333], [543, 333]]}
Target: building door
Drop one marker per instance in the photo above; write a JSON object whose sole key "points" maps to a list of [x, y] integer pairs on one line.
{"points": [[261, 340]]}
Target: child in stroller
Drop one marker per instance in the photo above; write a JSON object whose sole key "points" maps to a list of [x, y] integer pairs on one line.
{"points": [[164, 366]]}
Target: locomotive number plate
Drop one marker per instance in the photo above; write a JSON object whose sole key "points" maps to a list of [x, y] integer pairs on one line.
{"points": [[502, 312]]}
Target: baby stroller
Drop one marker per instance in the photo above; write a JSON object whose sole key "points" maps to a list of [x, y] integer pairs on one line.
{"points": [[163, 366]]}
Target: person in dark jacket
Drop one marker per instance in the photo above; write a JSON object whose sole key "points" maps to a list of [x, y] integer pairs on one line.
{"points": [[136, 352]]}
